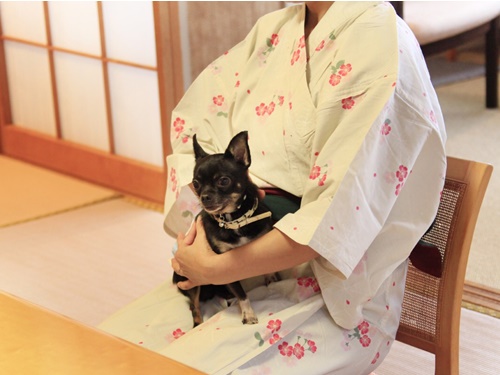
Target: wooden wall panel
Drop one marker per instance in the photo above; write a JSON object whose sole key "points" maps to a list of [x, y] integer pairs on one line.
{"points": [[168, 53], [216, 26]]}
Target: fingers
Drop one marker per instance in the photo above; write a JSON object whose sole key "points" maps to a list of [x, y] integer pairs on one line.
{"points": [[192, 249], [191, 233], [185, 285], [175, 266], [261, 193], [199, 228]]}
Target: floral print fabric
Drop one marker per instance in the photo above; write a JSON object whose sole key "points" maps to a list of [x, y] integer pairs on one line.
{"points": [[348, 120]]}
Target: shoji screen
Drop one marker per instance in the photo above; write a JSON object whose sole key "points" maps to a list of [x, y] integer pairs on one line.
{"points": [[87, 88]]}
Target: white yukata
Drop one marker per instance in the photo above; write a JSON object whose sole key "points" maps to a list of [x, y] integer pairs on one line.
{"points": [[349, 121]]}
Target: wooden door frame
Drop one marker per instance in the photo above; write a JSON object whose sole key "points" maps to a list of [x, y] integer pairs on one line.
{"points": [[107, 169]]}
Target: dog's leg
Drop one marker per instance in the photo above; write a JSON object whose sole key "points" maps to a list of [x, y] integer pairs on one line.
{"points": [[194, 305], [272, 278], [247, 313]]}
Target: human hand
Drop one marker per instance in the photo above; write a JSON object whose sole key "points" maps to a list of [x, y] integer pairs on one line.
{"points": [[261, 193], [194, 257]]}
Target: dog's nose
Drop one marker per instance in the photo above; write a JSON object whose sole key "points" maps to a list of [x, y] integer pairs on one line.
{"points": [[206, 198]]}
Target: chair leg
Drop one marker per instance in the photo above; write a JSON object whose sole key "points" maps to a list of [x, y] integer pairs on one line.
{"points": [[492, 65]]}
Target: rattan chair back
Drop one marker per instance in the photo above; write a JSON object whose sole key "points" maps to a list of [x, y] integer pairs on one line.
{"points": [[431, 308]]}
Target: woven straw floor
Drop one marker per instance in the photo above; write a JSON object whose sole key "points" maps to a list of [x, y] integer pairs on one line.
{"points": [[28, 192]]}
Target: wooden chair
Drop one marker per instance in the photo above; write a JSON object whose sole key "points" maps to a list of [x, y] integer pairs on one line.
{"points": [[432, 305], [441, 26]]}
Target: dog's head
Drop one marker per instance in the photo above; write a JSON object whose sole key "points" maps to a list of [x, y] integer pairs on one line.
{"points": [[220, 180]]}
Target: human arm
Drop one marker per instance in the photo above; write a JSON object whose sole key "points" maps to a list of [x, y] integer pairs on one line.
{"points": [[270, 253]]}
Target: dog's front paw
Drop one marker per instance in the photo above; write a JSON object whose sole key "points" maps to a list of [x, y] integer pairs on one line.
{"points": [[247, 313], [250, 319]]}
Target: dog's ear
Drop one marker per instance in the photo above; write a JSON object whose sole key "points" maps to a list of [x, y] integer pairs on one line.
{"points": [[198, 151], [238, 149]]}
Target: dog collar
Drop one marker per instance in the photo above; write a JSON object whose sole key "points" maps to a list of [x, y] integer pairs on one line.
{"points": [[243, 220]]}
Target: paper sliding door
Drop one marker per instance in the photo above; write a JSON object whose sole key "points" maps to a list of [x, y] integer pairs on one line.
{"points": [[88, 87]]}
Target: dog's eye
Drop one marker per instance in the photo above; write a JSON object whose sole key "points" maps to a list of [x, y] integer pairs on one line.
{"points": [[223, 182], [196, 185]]}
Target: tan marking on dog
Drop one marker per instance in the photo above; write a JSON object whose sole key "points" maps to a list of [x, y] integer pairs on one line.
{"points": [[224, 246], [247, 313], [195, 305]]}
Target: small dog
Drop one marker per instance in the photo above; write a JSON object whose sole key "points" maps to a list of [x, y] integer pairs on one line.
{"points": [[232, 216]]}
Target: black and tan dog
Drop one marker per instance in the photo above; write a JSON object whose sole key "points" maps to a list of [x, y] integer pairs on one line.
{"points": [[232, 215]]}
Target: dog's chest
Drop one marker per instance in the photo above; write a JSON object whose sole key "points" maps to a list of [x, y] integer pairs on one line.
{"points": [[223, 246]]}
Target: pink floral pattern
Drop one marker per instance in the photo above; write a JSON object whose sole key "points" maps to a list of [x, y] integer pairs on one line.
{"points": [[265, 52], [335, 79], [360, 335], [433, 118], [219, 106], [178, 333], [295, 57], [375, 359], [173, 179], [386, 127], [309, 282], [307, 287], [339, 70], [348, 103], [178, 126], [319, 173], [264, 109], [298, 350], [299, 51], [218, 100], [216, 69], [273, 40], [320, 46], [274, 325], [401, 175], [315, 172], [179, 130], [271, 335]]}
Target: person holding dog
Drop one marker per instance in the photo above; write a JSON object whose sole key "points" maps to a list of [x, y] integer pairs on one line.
{"points": [[340, 113]]}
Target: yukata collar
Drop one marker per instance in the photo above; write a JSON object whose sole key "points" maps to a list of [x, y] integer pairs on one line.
{"points": [[339, 16]]}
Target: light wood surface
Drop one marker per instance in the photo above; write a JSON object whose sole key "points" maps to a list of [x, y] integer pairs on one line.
{"points": [[37, 341]]}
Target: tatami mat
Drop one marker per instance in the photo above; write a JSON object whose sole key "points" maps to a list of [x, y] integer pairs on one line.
{"points": [[86, 263], [28, 192], [479, 350]]}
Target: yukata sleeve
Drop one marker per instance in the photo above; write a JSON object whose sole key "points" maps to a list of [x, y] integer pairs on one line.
{"points": [[360, 170], [204, 110], [373, 135]]}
